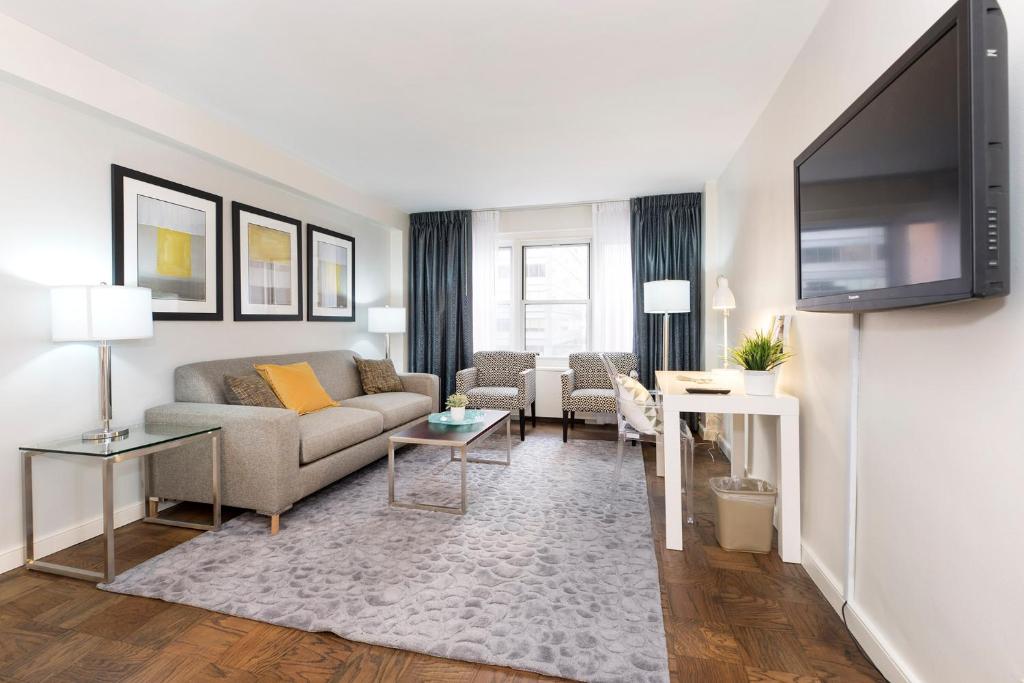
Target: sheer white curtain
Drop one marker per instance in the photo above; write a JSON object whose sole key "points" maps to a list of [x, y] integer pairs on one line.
{"points": [[613, 278], [485, 248]]}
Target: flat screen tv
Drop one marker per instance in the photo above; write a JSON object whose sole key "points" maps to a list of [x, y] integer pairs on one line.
{"points": [[903, 201]]}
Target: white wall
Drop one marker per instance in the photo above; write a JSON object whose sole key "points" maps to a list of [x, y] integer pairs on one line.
{"points": [[941, 510], [55, 228]]}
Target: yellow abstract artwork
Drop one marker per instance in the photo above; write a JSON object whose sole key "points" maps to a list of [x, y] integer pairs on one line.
{"points": [[269, 245], [173, 253]]}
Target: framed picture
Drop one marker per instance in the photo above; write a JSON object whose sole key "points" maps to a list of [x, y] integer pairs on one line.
{"points": [[331, 277], [167, 236], [266, 253]]}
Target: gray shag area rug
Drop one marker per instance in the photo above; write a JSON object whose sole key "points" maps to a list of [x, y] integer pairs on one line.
{"points": [[547, 571]]}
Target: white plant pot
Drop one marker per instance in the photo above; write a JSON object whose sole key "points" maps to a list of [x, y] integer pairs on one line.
{"points": [[759, 382], [458, 413]]}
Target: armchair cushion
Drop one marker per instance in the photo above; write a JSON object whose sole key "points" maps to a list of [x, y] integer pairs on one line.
{"points": [[502, 368], [591, 401], [496, 398], [589, 372]]}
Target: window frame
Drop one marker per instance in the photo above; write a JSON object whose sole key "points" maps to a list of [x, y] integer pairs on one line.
{"points": [[519, 301]]}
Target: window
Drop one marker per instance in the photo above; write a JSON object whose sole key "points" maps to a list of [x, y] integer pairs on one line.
{"points": [[556, 298]]}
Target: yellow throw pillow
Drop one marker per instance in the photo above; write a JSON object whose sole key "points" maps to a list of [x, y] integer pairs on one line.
{"points": [[296, 387]]}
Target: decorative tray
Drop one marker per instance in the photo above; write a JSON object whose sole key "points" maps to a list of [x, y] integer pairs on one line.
{"points": [[445, 418]]}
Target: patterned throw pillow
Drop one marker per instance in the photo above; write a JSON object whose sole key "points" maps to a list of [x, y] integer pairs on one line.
{"points": [[378, 376], [638, 406], [250, 391]]}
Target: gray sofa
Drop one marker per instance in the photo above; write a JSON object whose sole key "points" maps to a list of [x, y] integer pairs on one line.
{"points": [[272, 457]]}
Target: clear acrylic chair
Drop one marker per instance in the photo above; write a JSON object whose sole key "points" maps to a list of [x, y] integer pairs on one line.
{"points": [[653, 433]]}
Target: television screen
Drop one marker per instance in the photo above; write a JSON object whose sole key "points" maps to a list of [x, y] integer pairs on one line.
{"points": [[879, 201]]}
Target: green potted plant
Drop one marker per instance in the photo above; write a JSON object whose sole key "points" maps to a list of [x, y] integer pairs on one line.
{"points": [[759, 354], [457, 406]]}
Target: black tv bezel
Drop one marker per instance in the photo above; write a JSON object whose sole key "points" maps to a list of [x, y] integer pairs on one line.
{"points": [[959, 18]]}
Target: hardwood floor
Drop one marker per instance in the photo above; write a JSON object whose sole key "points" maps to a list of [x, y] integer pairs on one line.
{"points": [[728, 617]]}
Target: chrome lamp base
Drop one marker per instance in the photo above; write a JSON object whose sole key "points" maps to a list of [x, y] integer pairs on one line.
{"points": [[106, 434]]}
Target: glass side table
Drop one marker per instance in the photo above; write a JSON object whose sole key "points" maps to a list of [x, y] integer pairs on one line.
{"points": [[143, 441]]}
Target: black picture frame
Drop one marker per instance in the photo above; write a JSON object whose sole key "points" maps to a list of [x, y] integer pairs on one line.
{"points": [[310, 285], [236, 256], [118, 175]]}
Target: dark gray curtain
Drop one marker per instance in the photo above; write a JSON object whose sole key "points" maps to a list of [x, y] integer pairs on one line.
{"points": [[440, 302], [666, 239]]}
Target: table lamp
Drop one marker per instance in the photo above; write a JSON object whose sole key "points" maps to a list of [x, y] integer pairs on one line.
{"points": [[724, 301], [387, 321], [666, 297], [102, 313]]}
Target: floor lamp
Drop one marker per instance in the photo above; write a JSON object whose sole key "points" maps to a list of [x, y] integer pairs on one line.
{"points": [[724, 301], [387, 321], [666, 297]]}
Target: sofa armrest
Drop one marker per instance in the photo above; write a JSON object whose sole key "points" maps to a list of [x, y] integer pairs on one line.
{"points": [[422, 383], [259, 456], [465, 380], [526, 382], [568, 386]]}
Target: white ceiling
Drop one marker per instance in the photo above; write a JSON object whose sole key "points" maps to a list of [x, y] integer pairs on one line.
{"points": [[463, 103]]}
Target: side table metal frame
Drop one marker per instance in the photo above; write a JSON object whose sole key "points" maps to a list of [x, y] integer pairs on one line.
{"points": [[108, 462], [451, 509]]}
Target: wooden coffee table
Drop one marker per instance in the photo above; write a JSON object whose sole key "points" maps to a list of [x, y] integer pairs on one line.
{"points": [[431, 434]]}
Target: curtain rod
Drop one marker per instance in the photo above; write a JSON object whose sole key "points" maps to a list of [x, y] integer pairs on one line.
{"points": [[563, 205]]}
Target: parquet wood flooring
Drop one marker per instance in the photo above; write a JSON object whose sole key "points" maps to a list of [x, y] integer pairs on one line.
{"points": [[728, 617]]}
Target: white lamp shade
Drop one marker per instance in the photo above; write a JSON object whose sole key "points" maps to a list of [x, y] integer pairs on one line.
{"points": [[386, 320], [101, 313], [667, 296], [723, 299]]}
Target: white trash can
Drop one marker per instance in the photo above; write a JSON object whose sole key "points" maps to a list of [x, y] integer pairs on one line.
{"points": [[743, 513]]}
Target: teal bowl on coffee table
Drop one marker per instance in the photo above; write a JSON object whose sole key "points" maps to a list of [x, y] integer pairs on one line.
{"points": [[445, 418]]}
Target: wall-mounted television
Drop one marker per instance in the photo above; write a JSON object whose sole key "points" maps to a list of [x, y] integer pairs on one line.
{"points": [[903, 201]]}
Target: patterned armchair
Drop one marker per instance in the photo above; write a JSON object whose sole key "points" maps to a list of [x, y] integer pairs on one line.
{"points": [[502, 380], [585, 385]]}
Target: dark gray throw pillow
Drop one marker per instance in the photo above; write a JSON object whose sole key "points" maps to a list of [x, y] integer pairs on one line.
{"points": [[251, 390]]}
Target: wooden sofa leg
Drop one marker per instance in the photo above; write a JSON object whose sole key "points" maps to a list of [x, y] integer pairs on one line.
{"points": [[275, 524], [151, 507], [522, 424], [572, 419], [565, 426], [533, 413]]}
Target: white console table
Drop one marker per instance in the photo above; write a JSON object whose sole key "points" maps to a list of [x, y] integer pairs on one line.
{"points": [[676, 401]]}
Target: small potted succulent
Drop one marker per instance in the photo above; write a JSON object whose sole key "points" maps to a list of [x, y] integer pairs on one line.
{"points": [[457, 406], [759, 354]]}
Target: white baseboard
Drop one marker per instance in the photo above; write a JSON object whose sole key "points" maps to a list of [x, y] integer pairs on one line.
{"points": [[877, 648], [46, 545]]}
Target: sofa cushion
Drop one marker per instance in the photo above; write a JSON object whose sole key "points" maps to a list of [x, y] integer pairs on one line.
{"points": [[332, 429], [378, 376], [204, 382], [251, 390], [296, 386], [396, 407]]}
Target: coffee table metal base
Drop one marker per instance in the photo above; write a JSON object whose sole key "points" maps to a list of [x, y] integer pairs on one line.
{"points": [[463, 460]]}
